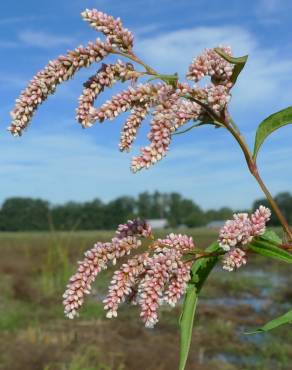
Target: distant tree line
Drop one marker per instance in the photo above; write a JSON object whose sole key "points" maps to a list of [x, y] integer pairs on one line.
{"points": [[27, 214]]}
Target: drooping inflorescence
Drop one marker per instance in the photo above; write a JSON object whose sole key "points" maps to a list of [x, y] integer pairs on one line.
{"points": [[234, 259], [149, 279], [106, 76], [112, 28], [45, 82], [170, 103], [159, 275], [209, 63], [98, 258], [166, 276], [237, 233]]}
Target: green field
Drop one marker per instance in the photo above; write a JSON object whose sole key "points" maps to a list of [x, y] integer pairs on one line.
{"points": [[34, 269]]}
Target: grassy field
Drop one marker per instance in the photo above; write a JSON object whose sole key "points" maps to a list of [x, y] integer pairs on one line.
{"points": [[34, 335]]}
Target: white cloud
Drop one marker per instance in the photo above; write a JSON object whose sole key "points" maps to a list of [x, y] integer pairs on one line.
{"points": [[272, 7], [8, 44], [174, 51], [12, 80], [69, 166], [266, 74], [61, 166], [12, 20], [43, 39]]}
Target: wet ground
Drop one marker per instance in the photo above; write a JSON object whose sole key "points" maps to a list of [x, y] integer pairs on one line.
{"points": [[34, 335]]}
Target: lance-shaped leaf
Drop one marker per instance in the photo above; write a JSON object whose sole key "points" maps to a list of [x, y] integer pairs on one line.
{"points": [[271, 124], [200, 271], [271, 236], [281, 320], [268, 248], [239, 63]]}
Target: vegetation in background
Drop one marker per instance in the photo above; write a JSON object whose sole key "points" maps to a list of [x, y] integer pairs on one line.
{"points": [[27, 214], [35, 335]]}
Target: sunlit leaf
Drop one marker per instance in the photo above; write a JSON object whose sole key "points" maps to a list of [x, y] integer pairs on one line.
{"points": [[270, 235], [200, 271], [239, 63], [281, 320], [271, 124], [268, 248]]}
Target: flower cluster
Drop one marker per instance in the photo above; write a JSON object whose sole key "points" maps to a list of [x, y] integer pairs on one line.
{"points": [[211, 64], [144, 95], [98, 258], [106, 76], [64, 67], [112, 28], [238, 232], [171, 112], [170, 102], [235, 258], [132, 126], [166, 277], [124, 284], [217, 97], [134, 227], [46, 81], [149, 279]]}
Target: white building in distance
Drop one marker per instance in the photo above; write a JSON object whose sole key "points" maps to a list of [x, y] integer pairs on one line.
{"points": [[159, 223]]}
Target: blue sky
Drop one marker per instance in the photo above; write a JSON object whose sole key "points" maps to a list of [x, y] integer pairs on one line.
{"points": [[57, 160]]}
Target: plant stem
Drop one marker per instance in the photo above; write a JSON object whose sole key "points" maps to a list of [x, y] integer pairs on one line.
{"points": [[231, 127], [134, 58], [169, 79]]}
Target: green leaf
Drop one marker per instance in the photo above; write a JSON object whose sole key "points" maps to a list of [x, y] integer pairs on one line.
{"points": [[268, 248], [270, 235], [238, 62], [200, 270], [168, 79], [186, 324], [281, 320], [271, 124]]}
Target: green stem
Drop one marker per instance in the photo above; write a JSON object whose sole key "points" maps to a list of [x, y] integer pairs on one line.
{"points": [[188, 129], [171, 79], [134, 58], [254, 171], [231, 126]]}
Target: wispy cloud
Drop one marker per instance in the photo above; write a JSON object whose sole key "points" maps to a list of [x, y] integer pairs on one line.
{"points": [[12, 80], [13, 20], [40, 163], [265, 74], [42, 39], [273, 6], [175, 50], [8, 44]]}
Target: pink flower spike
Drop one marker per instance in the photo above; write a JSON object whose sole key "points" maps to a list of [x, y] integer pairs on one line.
{"points": [[135, 227], [259, 219], [235, 232], [131, 127], [178, 284], [96, 260], [150, 292], [116, 34], [123, 283], [242, 228], [142, 95], [166, 276], [106, 76], [209, 63], [234, 259], [45, 82]]}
